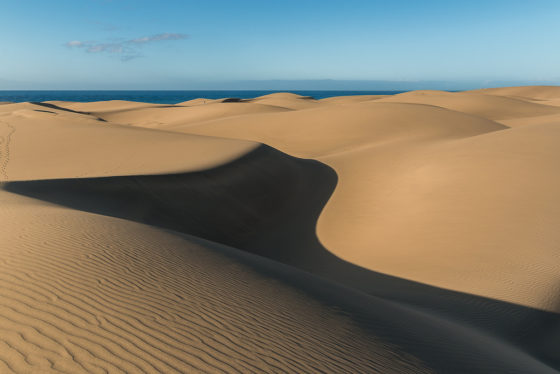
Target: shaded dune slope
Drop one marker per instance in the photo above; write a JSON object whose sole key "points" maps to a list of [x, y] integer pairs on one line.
{"points": [[414, 180], [84, 293], [268, 203], [250, 203]]}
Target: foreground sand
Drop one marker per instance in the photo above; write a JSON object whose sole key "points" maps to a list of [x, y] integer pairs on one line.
{"points": [[393, 234]]}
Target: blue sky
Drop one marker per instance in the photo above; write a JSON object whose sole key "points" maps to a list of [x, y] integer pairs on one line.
{"points": [[149, 44]]}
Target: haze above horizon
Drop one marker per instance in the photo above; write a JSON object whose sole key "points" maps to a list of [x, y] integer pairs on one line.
{"points": [[125, 44]]}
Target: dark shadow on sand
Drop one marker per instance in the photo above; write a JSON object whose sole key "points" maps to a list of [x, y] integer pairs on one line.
{"points": [[268, 203], [52, 106]]}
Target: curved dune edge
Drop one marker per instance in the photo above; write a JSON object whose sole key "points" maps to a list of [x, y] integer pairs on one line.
{"points": [[392, 157], [476, 214]]}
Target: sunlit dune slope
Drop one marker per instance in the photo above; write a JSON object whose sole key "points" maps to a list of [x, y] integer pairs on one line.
{"points": [[287, 100], [526, 92], [154, 118], [42, 142], [478, 104], [478, 214], [351, 99], [105, 106], [336, 128]]}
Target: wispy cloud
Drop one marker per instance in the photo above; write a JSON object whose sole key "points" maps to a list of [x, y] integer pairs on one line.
{"points": [[75, 43], [127, 49], [159, 37]]}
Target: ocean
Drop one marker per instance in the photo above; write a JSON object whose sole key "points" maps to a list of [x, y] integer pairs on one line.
{"points": [[163, 97]]}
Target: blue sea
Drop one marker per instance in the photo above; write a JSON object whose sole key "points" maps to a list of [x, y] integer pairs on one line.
{"points": [[162, 97]]}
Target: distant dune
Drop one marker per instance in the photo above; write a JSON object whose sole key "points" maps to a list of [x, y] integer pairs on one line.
{"points": [[526, 92], [412, 233]]}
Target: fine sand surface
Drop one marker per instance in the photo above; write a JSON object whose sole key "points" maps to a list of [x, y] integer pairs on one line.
{"points": [[413, 233]]}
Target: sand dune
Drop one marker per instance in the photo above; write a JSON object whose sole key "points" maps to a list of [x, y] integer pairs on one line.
{"points": [[368, 143], [548, 95], [87, 293], [106, 106], [283, 100], [148, 117], [351, 99], [336, 128], [436, 193], [482, 105], [527, 92], [288, 100], [418, 234], [48, 143]]}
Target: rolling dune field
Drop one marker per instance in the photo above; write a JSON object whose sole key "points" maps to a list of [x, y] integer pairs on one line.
{"points": [[407, 233]]}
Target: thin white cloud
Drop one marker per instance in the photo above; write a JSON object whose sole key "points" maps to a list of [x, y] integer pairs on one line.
{"points": [[127, 49], [159, 37], [74, 43]]}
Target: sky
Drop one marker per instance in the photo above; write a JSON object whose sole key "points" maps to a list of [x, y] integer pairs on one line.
{"points": [[249, 44]]}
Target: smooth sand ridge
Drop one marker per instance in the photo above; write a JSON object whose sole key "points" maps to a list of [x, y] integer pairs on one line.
{"points": [[88, 293], [547, 95], [105, 106], [526, 92], [194, 102], [487, 106], [148, 117], [44, 143], [284, 100], [288, 100], [202, 100], [335, 128], [350, 99]]}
